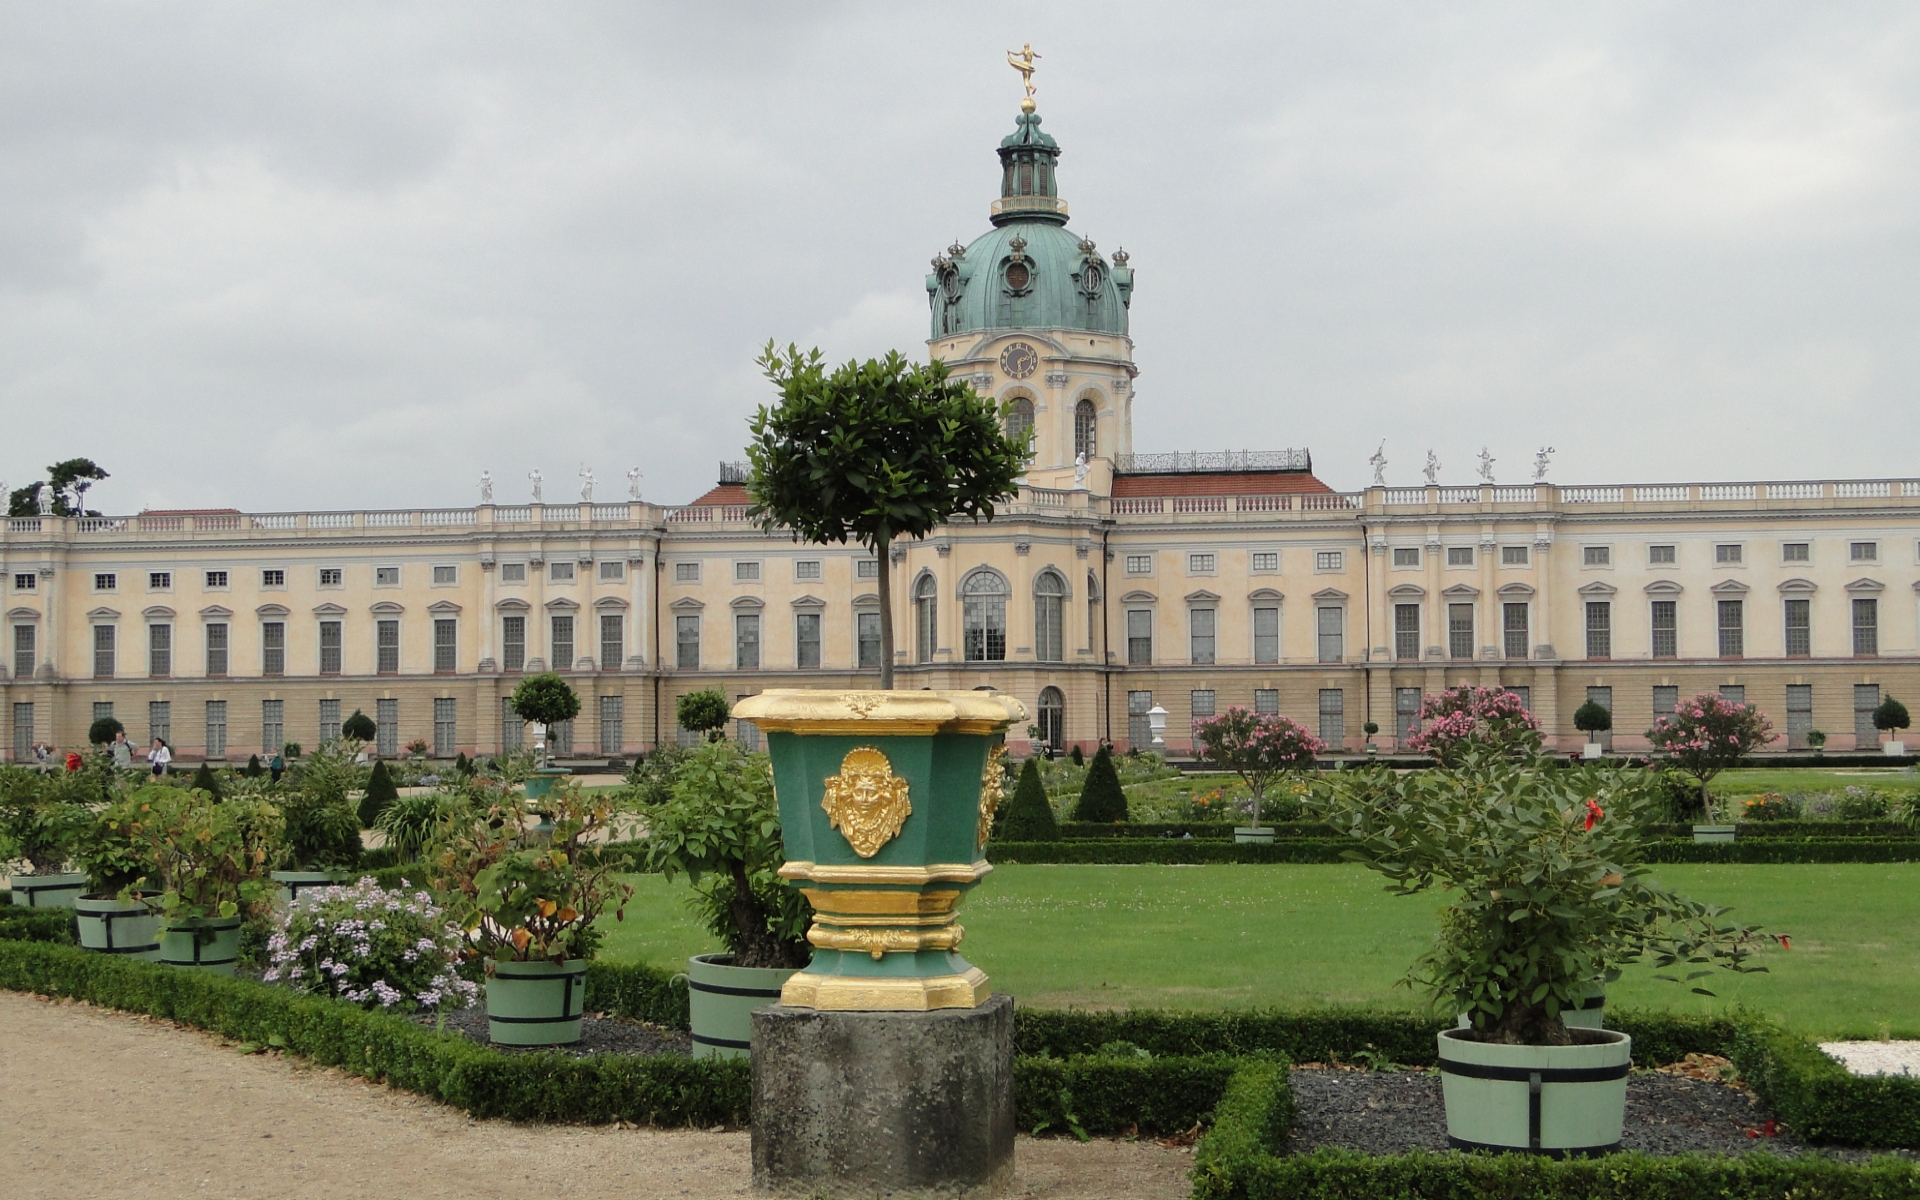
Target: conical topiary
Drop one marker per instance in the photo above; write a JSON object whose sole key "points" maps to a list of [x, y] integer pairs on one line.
{"points": [[205, 781], [253, 769], [1028, 817], [1079, 759], [380, 793], [1101, 799]]}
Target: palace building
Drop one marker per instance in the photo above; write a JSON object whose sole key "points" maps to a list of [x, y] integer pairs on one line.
{"points": [[1115, 583]]}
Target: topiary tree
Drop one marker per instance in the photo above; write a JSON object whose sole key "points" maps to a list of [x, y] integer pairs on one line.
{"points": [[873, 450], [1259, 747], [359, 727], [705, 712], [1029, 816], [1079, 759], [1592, 717], [1891, 715], [1707, 734], [380, 793], [205, 780], [1101, 798], [105, 729], [253, 769], [545, 700]]}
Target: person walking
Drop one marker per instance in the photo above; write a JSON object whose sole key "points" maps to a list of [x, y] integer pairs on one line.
{"points": [[277, 767], [159, 756], [122, 751]]}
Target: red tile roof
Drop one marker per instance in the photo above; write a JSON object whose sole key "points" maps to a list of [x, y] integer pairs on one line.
{"points": [[726, 493], [1219, 483]]}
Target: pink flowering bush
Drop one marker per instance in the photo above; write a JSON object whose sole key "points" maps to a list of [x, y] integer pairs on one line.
{"points": [[1467, 716], [376, 948], [1259, 747], [1707, 734]]}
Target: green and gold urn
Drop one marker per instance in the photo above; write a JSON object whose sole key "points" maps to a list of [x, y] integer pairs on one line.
{"points": [[886, 800]]}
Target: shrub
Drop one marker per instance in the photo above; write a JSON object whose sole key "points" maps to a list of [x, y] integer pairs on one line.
{"points": [[652, 778], [1101, 798], [1028, 817], [1891, 715], [359, 727], [371, 947], [206, 781], [42, 816], [323, 831], [379, 793], [208, 859], [104, 730], [1460, 718], [1079, 759], [253, 769], [1862, 804], [1259, 747], [1771, 806], [1707, 734], [1592, 717], [413, 823], [107, 852], [704, 711]]}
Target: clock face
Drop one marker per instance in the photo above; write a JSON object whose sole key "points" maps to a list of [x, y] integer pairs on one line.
{"points": [[1019, 360]]}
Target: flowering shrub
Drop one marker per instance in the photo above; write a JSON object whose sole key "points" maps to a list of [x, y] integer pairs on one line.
{"points": [[376, 948], [1469, 715], [1857, 803], [1259, 747], [1771, 806], [1708, 733]]}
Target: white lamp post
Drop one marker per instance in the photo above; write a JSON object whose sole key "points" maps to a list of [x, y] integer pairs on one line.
{"points": [[1157, 721]]}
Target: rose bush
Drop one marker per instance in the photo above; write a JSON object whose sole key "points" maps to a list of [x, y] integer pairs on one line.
{"points": [[372, 947]]}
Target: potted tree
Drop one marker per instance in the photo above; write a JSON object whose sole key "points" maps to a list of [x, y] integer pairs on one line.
{"points": [[1817, 740], [705, 712], [1371, 728], [41, 816], [1704, 736], [357, 730], [1550, 894], [1259, 747], [545, 700], [1890, 716], [1592, 718], [208, 860], [114, 915], [322, 843], [720, 826]]}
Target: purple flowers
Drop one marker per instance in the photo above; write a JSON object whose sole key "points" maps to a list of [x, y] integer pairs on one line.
{"points": [[402, 959]]}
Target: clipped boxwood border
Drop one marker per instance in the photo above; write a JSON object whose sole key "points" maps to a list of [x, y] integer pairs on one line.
{"points": [[1133, 851]]}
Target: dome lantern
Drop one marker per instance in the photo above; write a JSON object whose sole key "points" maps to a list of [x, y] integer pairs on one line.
{"points": [[1029, 185]]}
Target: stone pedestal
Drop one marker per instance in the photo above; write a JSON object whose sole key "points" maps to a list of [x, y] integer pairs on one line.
{"points": [[870, 1104]]}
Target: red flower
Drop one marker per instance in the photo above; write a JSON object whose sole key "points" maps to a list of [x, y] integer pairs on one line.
{"points": [[1594, 812], [1786, 943]]}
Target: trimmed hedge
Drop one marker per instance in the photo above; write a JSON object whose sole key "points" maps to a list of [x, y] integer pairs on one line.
{"points": [[23, 924], [1818, 1098], [1094, 1093], [1125, 850], [1250, 1126], [1783, 850]]}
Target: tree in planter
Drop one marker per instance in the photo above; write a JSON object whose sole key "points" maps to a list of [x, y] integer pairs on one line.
{"points": [[1591, 718], [1708, 733], [104, 730], [359, 727], [705, 712], [545, 700], [1028, 817], [1471, 716], [1891, 716], [871, 451], [1259, 747], [721, 827], [208, 859], [1101, 798]]}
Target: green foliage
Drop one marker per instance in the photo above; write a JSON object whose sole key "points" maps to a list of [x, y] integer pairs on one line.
{"points": [[323, 830], [1862, 804], [42, 815], [1078, 758], [1259, 747], [1101, 799], [705, 711], [73, 475], [106, 850], [55, 925], [651, 778], [379, 793], [359, 727], [1769, 806], [1250, 1124], [253, 769], [1090, 1094], [205, 780], [1592, 717], [1028, 817], [291, 750], [545, 699], [1708, 733], [414, 823], [208, 859], [1891, 715], [103, 730]]}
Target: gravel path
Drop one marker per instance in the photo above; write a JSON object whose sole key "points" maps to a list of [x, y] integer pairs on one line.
{"points": [[1877, 1058]]}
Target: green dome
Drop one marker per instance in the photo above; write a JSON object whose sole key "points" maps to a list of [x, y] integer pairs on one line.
{"points": [[1029, 271]]}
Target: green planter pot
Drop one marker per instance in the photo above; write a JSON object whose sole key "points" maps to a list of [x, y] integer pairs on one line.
{"points": [[293, 884], [210, 944], [1552, 1100], [1714, 833], [1589, 1013], [115, 926], [1263, 836], [720, 1002], [47, 891], [541, 781], [536, 1003]]}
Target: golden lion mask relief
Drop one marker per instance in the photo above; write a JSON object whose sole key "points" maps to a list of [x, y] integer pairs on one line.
{"points": [[866, 801]]}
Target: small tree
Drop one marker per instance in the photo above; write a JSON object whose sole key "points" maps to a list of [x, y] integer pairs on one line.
{"points": [[1079, 759], [359, 727], [205, 780], [874, 450], [1591, 718], [1891, 715], [253, 769], [1102, 798], [1460, 718], [545, 700], [1707, 734], [1259, 747], [380, 793], [105, 729], [705, 712], [1029, 816]]}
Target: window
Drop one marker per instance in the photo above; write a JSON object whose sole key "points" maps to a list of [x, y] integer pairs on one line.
{"points": [[1086, 430], [22, 732], [217, 649], [329, 721], [24, 650], [1052, 711], [1514, 556], [446, 732], [273, 648], [1796, 552], [1139, 722], [686, 572], [1666, 628], [1331, 626], [1329, 560], [105, 581], [1734, 693], [559, 572], [25, 581], [1266, 700], [1799, 628], [1599, 629], [330, 643], [866, 568], [1661, 556], [1863, 551], [1460, 631], [1866, 698], [1333, 717], [331, 576], [216, 580], [806, 640], [1799, 714], [613, 572], [806, 569], [1732, 628], [1019, 419], [1200, 704], [1406, 556], [1200, 564], [513, 572], [1406, 713], [386, 646], [1266, 560], [273, 726], [983, 616], [1266, 635], [1666, 698], [160, 721], [1139, 636], [446, 646], [746, 641], [1406, 631], [1049, 603], [1459, 556], [613, 722], [273, 578], [1596, 556], [159, 581], [513, 643], [1513, 630], [1139, 564], [103, 710], [926, 613], [686, 642], [560, 640], [1200, 629], [386, 577], [103, 636], [444, 575], [159, 651], [613, 641], [1728, 555], [866, 631], [216, 729], [1866, 627], [386, 727], [746, 572]]}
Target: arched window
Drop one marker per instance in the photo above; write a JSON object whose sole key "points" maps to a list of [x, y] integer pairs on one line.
{"points": [[1019, 417], [983, 616], [1049, 595], [1052, 711], [1085, 430], [926, 612]]}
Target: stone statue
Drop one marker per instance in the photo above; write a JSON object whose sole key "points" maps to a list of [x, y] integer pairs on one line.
{"points": [[586, 484], [534, 475], [1486, 465], [1540, 463], [44, 499], [1080, 470], [633, 484], [1023, 63], [486, 487], [1433, 469], [1379, 464]]}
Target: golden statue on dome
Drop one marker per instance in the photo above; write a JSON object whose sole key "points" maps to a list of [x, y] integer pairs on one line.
{"points": [[1023, 63]]}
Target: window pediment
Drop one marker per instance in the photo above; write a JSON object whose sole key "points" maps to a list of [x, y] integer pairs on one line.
{"points": [[1516, 591], [215, 611], [272, 610], [1799, 587], [443, 607], [1663, 587], [1202, 597], [1460, 591], [809, 602], [1867, 587], [23, 614], [158, 612], [1265, 594], [1729, 587], [1407, 591], [329, 610], [1597, 589], [1329, 594], [686, 604], [514, 605], [1138, 597], [104, 614], [561, 604], [387, 608], [748, 602], [610, 602], [866, 600]]}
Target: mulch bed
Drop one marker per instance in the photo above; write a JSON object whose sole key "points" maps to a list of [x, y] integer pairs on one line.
{"points": [[598, 1035]]}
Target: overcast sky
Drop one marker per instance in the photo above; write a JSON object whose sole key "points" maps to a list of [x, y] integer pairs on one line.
{"points": [[344, 255]]}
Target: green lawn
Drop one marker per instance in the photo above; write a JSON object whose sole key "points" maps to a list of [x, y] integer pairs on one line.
{"points": [[1213, 937], [1786, 780]]}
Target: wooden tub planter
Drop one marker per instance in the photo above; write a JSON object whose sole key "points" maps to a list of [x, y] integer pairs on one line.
{"points": [[210, 944], [1559, 1101], [536, 1003], [294, 884], [47, 891], [111, 925], [720, 1002]]}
